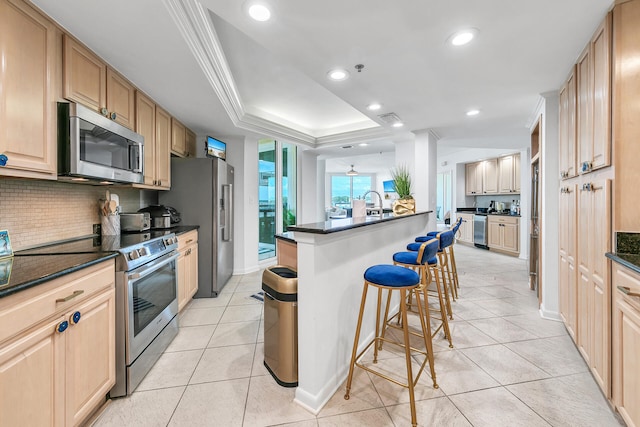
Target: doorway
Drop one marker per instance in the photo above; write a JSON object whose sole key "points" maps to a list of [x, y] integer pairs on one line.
{"points": [[443, 198]]}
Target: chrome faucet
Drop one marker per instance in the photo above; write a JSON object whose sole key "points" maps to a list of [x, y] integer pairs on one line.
{"points": [[379, 197]]}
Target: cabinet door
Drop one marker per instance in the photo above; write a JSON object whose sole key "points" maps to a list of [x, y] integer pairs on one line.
{"points": [[584, 309], [181, 266], [494, 239], [516, 173], [120, 99], [627, 362], [601, 77], [192, 284], [510, 236], [85, 76], [567, 243], [146, 126], [31, 371], [28, 91], [467, 223], [505, 174], [90, 356], [584, 110], [178, 137], [601, 292], [490, 176], [470, 179], [568, 128], [163, 146], [190, 143]]}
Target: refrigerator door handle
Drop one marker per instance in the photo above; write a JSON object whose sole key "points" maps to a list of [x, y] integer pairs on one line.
{"points": [[227, 196]]}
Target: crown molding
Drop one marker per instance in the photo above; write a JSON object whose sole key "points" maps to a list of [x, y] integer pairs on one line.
{"points": [[197, 29]]}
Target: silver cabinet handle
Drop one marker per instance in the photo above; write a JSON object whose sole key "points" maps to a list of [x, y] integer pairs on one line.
{"points": [[627, 291], [70, 297]]}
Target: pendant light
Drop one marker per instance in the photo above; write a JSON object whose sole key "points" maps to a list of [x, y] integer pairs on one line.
{"points": [[352, 172]]}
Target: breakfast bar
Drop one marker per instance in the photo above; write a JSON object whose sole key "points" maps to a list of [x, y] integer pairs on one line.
{"points": [[332, 257]]}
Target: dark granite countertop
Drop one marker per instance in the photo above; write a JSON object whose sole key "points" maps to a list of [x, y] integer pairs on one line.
{"points": [[22, 272], [343, 224], [631, 261], [286, 236], [473, 211]]}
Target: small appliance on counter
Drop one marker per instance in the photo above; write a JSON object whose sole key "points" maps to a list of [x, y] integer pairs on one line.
{"points": [[162, 216], [135, 222]]}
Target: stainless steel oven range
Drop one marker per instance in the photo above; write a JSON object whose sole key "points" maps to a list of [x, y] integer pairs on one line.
{"points": [[146, 308]]}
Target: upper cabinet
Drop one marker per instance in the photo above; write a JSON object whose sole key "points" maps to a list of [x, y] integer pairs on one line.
{"points": [[88, 81], [625, 114], [593, 73], [473, 179], [178, 138], [154, 124], [490, 176], [567, 141], [30, 47], [190, 143], [509, 174], [493, 176]]}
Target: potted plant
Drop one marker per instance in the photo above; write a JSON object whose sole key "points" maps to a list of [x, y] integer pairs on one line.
{"points": [[405, 203]]}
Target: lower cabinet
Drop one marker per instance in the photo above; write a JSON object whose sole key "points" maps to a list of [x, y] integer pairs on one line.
{"points": [[57, 369], [626, 344], [465, 233], [187, 267], [504, 234]]}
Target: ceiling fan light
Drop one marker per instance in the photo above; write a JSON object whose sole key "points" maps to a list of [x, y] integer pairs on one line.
{"points": [[352, 172]]}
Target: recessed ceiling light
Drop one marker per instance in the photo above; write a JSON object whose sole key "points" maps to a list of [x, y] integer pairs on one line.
{"points": [[338, 74], [397, 124], [463, 37], [473, 112], [374, 106], [259, 12], [363, 144]]}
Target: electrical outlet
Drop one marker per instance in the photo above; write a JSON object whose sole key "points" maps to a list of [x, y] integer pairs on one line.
{"points": [[97, 228]]}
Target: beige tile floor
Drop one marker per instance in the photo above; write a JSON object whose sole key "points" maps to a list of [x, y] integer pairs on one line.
{"points": [[508, 367]]}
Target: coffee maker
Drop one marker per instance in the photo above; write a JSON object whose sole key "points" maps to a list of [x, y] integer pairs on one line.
{"points": [[492, 206]]}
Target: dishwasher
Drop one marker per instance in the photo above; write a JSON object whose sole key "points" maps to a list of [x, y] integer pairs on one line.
{"points": [[480, 226]]}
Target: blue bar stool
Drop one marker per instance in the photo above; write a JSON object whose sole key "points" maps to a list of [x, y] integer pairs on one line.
{"points": [[405, 281], [445, 239], [425, 262]]}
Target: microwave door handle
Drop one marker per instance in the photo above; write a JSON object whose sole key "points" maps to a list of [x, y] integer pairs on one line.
{"points": [[136, 154]]}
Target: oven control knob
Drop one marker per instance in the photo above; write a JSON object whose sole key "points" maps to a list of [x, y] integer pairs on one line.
{"points": [[134, 255], [143, 252], [171, 240]]}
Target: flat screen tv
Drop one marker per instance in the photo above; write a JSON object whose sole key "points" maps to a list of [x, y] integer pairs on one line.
{"points": [[216, 148], [387, 186]]}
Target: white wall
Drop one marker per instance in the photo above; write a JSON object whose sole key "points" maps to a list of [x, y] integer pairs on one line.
{"points": [[308, 197], [242, 153]]}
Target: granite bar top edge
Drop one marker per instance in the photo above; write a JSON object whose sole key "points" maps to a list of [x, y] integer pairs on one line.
{"points": [[327, 227], [287, 236], [631, 261], [70, 267]]}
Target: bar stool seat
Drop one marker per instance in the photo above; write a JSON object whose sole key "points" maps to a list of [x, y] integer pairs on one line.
{"points": [[403, 280]]}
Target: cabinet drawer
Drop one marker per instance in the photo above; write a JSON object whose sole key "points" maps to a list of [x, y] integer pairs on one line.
{"points": [[626, 278], [503, 219], [186, 239], [21, 311]]}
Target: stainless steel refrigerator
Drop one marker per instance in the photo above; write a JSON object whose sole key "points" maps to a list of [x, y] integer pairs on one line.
{"points": [[202, 191]]}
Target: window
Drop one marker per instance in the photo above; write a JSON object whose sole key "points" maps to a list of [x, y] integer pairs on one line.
{"points": [[277, 192], [345, 188]]}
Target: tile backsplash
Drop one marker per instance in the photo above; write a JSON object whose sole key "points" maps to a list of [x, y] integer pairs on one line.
{"points": [[37, 212]]}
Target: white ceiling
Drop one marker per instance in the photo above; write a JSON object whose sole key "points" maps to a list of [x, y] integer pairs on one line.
{"points": [[224, 74]]}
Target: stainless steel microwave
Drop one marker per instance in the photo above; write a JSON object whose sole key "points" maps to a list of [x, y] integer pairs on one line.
{"points": [[93, 147]]}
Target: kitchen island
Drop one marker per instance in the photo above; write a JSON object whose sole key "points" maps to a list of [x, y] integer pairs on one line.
{"points": [[332, 257]]}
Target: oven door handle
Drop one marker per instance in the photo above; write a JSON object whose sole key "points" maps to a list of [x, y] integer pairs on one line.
{"points": [[151, 267]]}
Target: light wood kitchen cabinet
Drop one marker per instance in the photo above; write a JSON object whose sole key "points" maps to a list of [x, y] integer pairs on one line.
{"points": [[190, 143], [567, 138], [503, 234], [593, 101], [490, 176], [54, 370], [625, 114], [287, 253], [509, 174], [31, 74], [626, 344], [154, 124], [568, 280], [473, 179], [187, 267], [88, 81], [594, 293], [465, 232], [178, 138]]}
